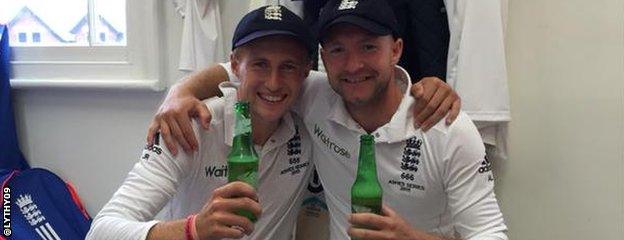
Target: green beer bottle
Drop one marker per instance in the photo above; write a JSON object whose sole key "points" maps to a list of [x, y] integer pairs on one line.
{"points": [[242, 159], [366, 191]]}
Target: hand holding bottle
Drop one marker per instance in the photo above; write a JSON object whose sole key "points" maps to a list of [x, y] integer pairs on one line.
{"points": [[218, 218], [389, 225]]}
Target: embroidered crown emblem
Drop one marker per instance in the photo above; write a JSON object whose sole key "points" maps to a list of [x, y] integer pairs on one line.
{"points": [[347, 4], [273, 12], [24, 200], [294, 144], [29, 210], [411, 157]]}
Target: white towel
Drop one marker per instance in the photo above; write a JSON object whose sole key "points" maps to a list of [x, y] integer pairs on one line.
{"points": [[202, 43]]}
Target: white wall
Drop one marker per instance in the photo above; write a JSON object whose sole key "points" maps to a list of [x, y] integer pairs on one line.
{"points": [[93, 137], [565, 175]]}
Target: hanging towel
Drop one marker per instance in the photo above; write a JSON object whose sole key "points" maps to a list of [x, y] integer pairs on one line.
{"points": [[202, 42]]}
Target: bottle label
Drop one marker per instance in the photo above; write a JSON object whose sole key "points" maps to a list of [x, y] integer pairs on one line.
{"points": [[242, 125]]}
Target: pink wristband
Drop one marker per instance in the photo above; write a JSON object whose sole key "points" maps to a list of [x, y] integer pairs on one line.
{"points": [[194, 228], [190, 222]]}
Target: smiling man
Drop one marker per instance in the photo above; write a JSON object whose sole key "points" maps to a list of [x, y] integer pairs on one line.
{"points": [[434, 183], [271, 57]]}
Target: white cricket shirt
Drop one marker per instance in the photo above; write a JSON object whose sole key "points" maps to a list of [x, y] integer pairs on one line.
{"points": [[438, 181]]}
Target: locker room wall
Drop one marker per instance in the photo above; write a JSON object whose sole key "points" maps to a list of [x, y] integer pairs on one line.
{"points": [[94, 137], [565, 175]]}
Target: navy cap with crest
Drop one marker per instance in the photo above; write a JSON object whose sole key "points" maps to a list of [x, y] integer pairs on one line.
{"points": [[273, 20], [375, 16]]}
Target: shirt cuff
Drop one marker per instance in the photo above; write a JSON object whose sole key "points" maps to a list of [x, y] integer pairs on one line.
{"points": [[147, 227]]}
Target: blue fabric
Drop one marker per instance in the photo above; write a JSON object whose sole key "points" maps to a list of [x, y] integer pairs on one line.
{"points": [[42, 207], [10, 155]]}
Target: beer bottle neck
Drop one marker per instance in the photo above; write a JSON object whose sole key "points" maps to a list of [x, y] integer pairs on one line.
{"points": [[367, 168], [242, 144]]}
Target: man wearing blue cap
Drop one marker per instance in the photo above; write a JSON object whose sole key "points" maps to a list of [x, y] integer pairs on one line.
{"points": [[271, 56], [436, 184]]}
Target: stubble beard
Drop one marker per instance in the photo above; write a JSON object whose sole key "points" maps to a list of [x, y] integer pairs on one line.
{"points": [[367, 101]]}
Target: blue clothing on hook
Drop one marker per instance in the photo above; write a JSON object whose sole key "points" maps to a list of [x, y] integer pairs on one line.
{"points": [[10, 155]]}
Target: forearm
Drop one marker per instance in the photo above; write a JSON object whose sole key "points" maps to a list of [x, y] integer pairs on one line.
{"points": [[111, 227], [148, 187], [168, 230], [203, 84]]}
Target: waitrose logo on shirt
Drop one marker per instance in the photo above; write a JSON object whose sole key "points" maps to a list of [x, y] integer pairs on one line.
{"points": [[329, 143], [216, 171]]}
